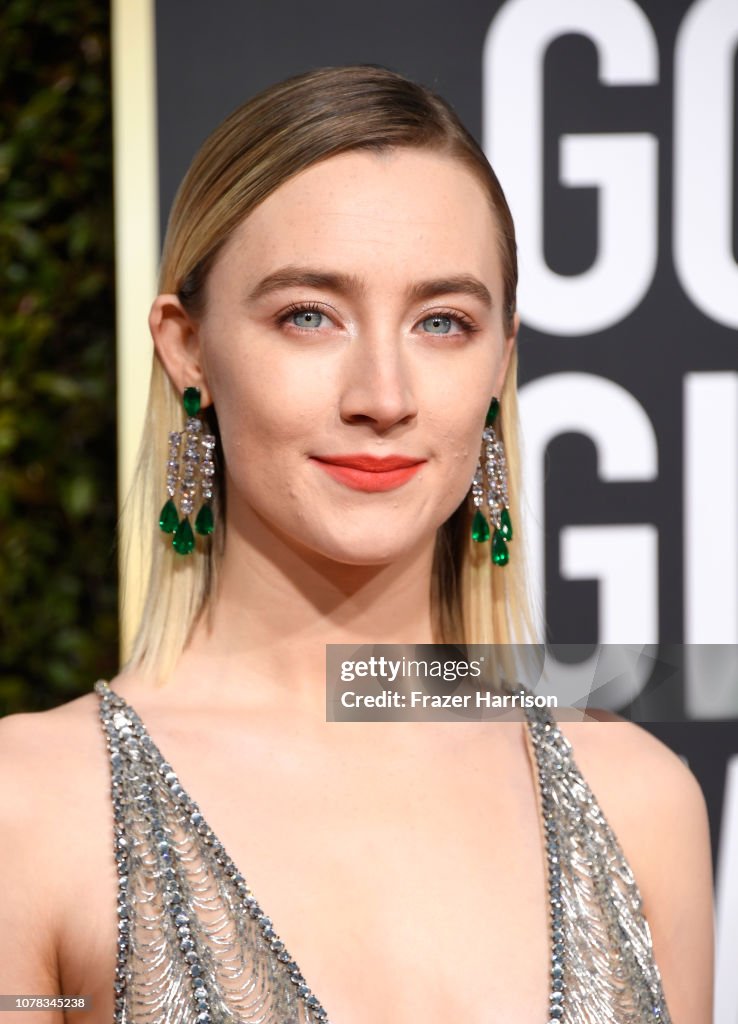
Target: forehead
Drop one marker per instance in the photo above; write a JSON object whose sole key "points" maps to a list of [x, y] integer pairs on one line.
{"points": [[404, 210]]}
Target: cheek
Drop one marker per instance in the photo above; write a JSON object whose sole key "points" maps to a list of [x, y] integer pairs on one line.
{"points": [[456, 415], [459, 444], [264, 405]]}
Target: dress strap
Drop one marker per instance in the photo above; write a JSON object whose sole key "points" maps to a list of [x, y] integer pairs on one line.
{"points": [[194, 944], [603, 968]]}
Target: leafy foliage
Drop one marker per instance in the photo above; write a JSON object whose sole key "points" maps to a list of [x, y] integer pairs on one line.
{"points": [[58, 577]]}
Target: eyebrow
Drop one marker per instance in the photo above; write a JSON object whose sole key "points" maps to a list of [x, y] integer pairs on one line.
{"points": [[350, 284]]}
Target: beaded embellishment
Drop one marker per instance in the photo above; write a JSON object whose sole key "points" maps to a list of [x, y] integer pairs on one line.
{"points": [[195, 946], [602, 964]]}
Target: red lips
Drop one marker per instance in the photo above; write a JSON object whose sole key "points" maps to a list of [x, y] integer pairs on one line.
{"points": [[370, 463], [370, 472]]}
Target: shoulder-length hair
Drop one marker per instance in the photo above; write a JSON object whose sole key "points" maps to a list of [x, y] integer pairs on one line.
{"points": [[280, 132]]}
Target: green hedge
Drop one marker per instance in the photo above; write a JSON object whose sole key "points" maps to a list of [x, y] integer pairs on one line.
{"points": [[58, 576]]}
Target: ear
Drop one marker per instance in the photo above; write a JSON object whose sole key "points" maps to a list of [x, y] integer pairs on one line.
{"points": [[177, 344], [507, 351]]}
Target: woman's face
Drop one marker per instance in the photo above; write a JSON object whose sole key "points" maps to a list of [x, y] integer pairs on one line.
{"points": [[356, 311]]}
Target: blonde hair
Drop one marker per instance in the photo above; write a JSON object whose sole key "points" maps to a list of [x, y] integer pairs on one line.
{"points": [[278, 133]]}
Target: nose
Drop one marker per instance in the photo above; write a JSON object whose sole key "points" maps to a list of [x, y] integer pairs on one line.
{"points": [[378, 385]]}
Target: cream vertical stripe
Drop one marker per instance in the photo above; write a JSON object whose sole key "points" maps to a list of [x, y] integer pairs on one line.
{"points": [[136, 228]]}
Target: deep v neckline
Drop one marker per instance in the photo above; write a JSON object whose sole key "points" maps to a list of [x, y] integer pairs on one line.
{"points": [[128, 726]]}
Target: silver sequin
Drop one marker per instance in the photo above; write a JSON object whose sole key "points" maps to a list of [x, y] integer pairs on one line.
{"points": [[195, 946]]}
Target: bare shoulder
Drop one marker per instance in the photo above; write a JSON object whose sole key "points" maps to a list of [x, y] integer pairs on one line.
{"points": [[42, 760], [632, 767], [43, 757], [46, 753], [50, 762], [657, 810], [37, 743], [644, 788], [56, 733]]}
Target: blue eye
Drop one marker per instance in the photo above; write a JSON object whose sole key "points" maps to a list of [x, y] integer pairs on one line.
{"points": [[307, 318], [438, 324]]}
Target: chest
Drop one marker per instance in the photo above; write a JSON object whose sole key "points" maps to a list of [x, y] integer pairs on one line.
{"points": [[408, 887]]}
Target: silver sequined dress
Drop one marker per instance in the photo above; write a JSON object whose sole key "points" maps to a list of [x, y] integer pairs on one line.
{"points": [[196, 947]]}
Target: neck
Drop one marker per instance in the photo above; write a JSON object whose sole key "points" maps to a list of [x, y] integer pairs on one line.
{"points": [[277, 605]]}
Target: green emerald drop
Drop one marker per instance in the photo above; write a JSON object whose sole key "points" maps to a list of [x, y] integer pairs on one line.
{"points": [[480, 529], [204, 523], [500, 554], [184, 539], [168, 518], [506, 525], [191, 401], [494, 407]]}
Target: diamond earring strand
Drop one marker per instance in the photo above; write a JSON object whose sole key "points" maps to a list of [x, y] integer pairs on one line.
{"points": [[498, 504]]}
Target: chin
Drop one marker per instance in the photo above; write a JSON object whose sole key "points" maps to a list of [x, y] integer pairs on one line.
{"points": [[362, 550], [362, 555], [375, 558]]}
